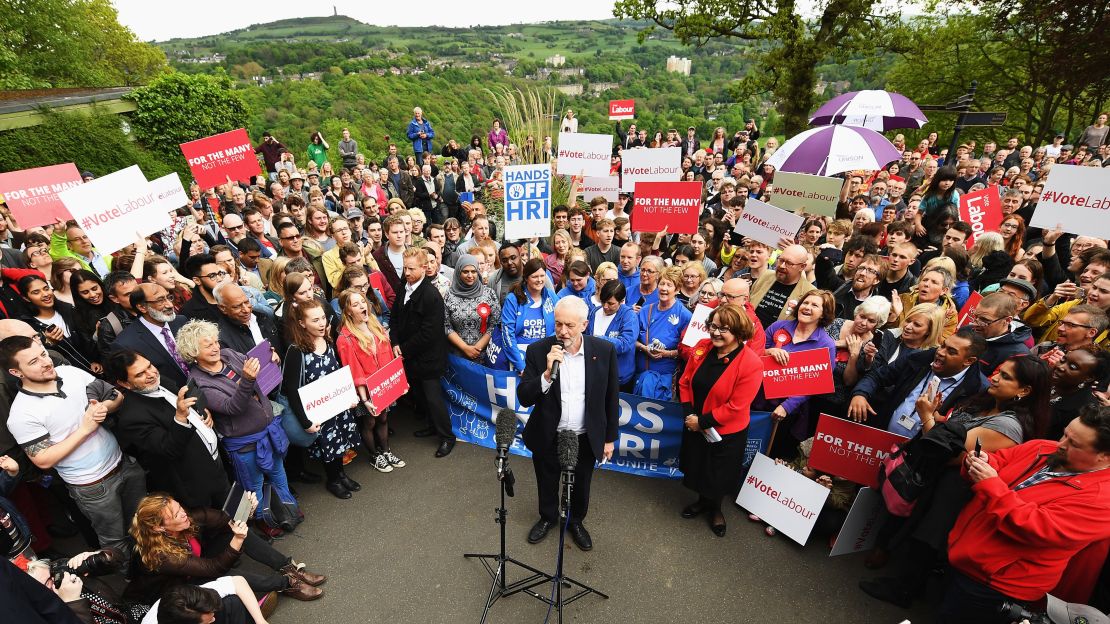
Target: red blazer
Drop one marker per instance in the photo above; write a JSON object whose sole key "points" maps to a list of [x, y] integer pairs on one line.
{"points": [[362, 362], [755, 343], [732, 394]]}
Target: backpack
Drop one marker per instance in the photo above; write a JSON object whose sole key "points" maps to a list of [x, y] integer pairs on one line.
{"points": [[917, 463]]}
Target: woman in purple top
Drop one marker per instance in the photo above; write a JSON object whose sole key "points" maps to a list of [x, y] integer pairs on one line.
{"points": [[497, 136], [805, 331]]}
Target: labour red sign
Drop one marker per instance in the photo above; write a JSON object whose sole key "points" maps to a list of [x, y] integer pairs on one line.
{"points": [[387, 385], [622, 109], [850, 450], [983, 210], [32, 194], [674, 205], [807, 373], [212, 160]]}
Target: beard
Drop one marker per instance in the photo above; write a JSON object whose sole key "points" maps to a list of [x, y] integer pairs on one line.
{"points": [[162, 317], [1057, 459]]}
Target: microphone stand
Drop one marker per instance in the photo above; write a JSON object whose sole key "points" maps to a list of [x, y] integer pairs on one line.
{"points": [[496, 564]]}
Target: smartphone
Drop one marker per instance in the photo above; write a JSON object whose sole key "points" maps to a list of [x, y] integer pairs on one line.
{"points": [[49, 328], [194, 391], [978, 446]]}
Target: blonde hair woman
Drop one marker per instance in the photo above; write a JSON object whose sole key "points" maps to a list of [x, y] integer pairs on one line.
{"points": [[987, 243], [561, 243]]}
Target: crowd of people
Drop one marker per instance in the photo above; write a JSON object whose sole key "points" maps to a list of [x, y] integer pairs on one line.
{"points": [[133, 401]]}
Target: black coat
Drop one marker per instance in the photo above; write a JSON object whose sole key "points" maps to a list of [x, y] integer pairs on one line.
{"points": [[237, 337], [174, 456], [417, 327], [602, 389], [137, 337]]}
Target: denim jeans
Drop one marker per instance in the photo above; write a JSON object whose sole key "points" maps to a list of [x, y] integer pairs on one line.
{"points": [[252, 477], [110, 504]]}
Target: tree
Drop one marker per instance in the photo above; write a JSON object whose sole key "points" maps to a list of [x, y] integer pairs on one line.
{"points": [[786, 47], [177, 108]]}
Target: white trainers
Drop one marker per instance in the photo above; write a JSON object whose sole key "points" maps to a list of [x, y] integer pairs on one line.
{"points": [[381, 464], [393, 460]]}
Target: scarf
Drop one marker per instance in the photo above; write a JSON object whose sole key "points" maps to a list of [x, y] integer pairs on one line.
{"points": [[458, 288]]}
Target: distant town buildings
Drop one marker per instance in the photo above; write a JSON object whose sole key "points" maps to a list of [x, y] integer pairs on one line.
{"points": [[556, 61], [678, 65]]}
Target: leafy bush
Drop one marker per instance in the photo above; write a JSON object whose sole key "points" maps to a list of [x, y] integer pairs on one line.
{"points": [[177, 108]]}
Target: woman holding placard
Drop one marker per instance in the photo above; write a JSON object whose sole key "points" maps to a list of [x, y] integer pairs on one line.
{"points": [[363, 344], [717, 389], [311, 356], [661, 327]]}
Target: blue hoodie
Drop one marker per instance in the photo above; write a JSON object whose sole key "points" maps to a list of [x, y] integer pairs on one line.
{"points": [[586, 294], [622, 332], [524, 323]]}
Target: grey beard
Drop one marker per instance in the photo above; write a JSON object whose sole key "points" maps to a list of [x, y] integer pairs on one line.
{"points": [[162, 317]]}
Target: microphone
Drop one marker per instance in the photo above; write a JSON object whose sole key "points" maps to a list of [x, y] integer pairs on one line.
{"points": [[555, 365], [505, 432], [567, 452]]}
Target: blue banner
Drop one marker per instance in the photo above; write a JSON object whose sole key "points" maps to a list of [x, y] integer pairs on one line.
{"points": [[650, 430]]}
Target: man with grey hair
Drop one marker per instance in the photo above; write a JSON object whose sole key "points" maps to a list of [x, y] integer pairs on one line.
{"points": [[554, 381], [420, 133], [774, 295], [241, 328]]}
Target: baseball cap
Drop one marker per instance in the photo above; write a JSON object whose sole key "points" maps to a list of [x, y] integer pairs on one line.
{"points": [[354, 213], [1062, 612], [1059, 135], [1026, 287], [691, 128]]}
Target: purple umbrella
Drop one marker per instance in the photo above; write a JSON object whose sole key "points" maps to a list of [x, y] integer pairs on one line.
{"points": [[828, 150], [873, 109]]}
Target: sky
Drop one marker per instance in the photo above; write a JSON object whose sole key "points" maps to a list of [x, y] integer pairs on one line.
{"points": [[158, 21]]}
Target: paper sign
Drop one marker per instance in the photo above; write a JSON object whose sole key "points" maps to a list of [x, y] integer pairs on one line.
{"points": [[1078, 198], [765, 223], [801, 192], [969, 307], [387, 385], [621, 109], [527, 201], [584, 154], [982, 209], [850, 450], [115, 208], [169, 195], [607, 186], [672, 205], [269, 374], [807, 373], [32, 194], [696, 331], [662, 164], [861, 528], [329, 395], [214, 158], [782, 498]]}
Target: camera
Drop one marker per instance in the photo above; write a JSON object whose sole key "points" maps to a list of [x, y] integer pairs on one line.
{"points": [[1017, 613], [97, 564]]}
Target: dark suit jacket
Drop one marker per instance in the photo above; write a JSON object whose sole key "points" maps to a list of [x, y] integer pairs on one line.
{"points": [[602, 388], [406, 191], [423, 200], [417, 327], [137, 337], [685, 145], [237, 337], [885, 387], [173, 455]]}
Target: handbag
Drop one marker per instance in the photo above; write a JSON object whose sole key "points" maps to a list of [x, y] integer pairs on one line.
{"points": [[293, 430]]}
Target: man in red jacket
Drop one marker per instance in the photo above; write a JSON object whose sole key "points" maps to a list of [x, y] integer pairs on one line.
{"points": [[1035, 506]]}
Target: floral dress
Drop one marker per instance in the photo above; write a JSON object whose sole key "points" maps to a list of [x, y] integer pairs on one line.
{"points": [[340, 433]]}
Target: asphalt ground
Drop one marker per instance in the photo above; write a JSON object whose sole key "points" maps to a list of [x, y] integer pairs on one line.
{"points": [[394, 552]]}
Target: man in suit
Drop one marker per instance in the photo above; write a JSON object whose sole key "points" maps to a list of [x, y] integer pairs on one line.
{"points": [[951, 370], [152, 334], [429, 195], [416, 331], [241, 328], [582, 398], [176, 445]]}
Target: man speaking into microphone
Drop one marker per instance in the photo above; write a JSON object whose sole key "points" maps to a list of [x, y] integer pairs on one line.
{"points": [[571, 379]]}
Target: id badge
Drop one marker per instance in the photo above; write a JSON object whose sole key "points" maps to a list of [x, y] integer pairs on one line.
{"points": [[907, 422]]}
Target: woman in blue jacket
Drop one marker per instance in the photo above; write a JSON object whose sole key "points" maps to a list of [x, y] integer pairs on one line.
{"points": [[580, 284], [618, 324], [527, 314], [661, 327]]}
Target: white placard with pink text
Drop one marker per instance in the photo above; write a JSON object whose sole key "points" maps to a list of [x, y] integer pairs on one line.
{"points": [[640, 164], [767, 224], [782, 498], [329, 395], [1077, 198], [607, 187], [115, 208], [585, 154], [696, 331]]}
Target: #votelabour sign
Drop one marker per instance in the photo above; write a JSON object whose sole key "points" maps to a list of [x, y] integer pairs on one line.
{"points": [[584, 154], [662, 164], [983, 210], [213, 159], [767, 224], [329, 396], [32, 194], [1077, 198], [782, 498], [607, 186], [806, 193], [115, 209], [527, 201], [621, 109]]}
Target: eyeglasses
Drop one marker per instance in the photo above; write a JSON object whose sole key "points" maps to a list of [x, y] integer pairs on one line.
{"points": [[787, 263], [1071, 325], [714, 328], [729, 297], [871, 270], [40, 252], [232, 228], [215, 275], [159, 301], [289, 238], [981, 322]]}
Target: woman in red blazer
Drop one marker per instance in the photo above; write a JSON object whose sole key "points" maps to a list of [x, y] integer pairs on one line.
{"points": [[716, 389]]}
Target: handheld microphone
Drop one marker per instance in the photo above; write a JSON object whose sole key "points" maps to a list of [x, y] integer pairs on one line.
{"points": [[506, 430], [567, 452], [555, 365]]}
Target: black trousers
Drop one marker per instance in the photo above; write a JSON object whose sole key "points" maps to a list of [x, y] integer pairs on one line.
{"points": [[429, 402], [547, 482]]}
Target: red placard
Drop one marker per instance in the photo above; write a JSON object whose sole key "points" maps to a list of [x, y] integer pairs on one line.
{"points": [[983, 210], [807, 373], [622, 109], [674, 205], [32, 194], [215, 158], [850, 450], [387, 385], [969, 307]]}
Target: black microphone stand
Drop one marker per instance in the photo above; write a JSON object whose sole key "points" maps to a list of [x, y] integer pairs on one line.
{"points": [[496, 564]]}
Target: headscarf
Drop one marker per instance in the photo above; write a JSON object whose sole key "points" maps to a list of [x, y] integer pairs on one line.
{"points": [[460, 289]]}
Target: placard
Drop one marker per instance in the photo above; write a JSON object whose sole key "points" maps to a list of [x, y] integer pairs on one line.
{"points": [[802, 192], [672, 205], [32, 194], [329, 396], [695, 330], [1078, 198], [850, 450], [982, 209], [585, 154], [765, 223], [269, 372], [621, 109], [807, 373], [782, 498], [387, 384], [213, 159], [661, 164], [115, 208], [861, 528], [169, 194], [969, 306], [527, 201], [607, 186]]}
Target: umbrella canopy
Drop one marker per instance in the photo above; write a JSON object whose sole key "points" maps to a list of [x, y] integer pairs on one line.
{"points": [[874, 109], [827, 150]]}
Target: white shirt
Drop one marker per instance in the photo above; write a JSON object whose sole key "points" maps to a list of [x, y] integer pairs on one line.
{"points": [[572, 390], [256, 332], [59, 322], [157, 331], [224, 586], [207, 435], [411, 288], [602, 321], [397, 259]]}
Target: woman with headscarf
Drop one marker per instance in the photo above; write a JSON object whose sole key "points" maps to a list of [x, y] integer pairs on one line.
{"points": [[472, 310]]}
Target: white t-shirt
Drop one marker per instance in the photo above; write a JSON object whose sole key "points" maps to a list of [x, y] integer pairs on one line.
{"points": [[59, 321], [602, 321], [397, 260], [224, 586], [37, 417]]}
